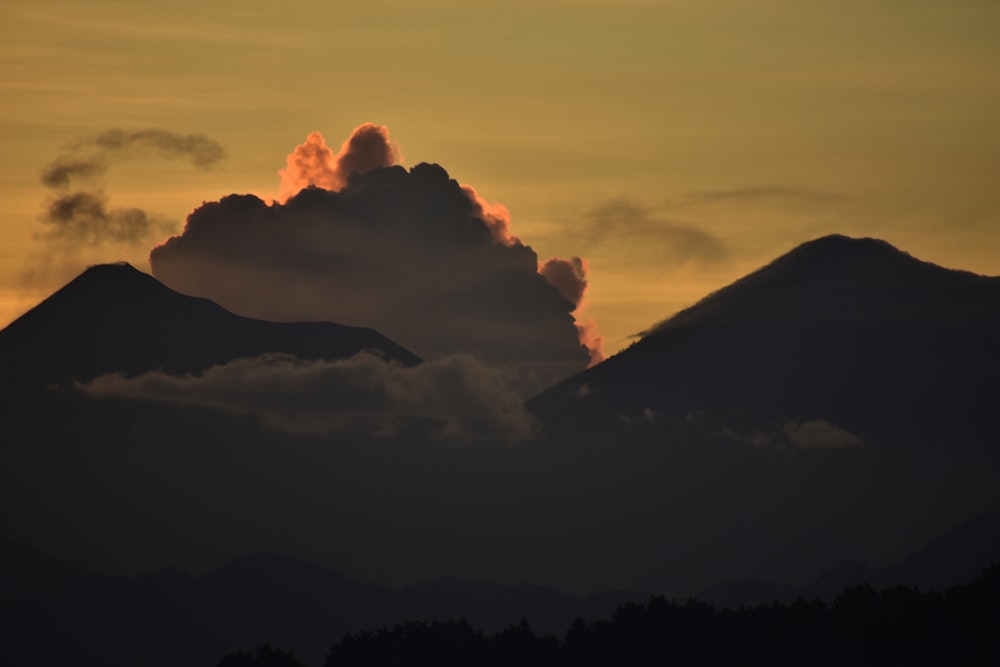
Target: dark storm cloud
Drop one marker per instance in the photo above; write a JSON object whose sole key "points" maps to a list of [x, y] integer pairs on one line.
{"points": [[409, 253], [628, 227], [457, 396]]}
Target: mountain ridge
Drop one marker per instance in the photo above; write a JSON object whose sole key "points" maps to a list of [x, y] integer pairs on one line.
{"points": [[849, 331], [113, 318], [294, 603], [833, 262]]}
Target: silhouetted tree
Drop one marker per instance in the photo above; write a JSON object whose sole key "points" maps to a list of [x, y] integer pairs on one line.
{"points": [[263, 656]]}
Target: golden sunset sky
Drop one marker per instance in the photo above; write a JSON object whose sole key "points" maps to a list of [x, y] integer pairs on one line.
{"points": [[675, 145]]}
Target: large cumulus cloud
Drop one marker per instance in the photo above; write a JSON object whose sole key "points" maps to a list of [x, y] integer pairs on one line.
{"points": [[457, 396], [411, 253]]}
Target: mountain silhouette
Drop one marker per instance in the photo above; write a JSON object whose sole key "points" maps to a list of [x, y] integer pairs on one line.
{"points": [[956, 557], [25, 571], [114, 318], [850, 332], [173, 618]]}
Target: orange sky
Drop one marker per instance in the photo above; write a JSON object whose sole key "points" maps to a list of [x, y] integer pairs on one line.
{"points": [[675, 144]]}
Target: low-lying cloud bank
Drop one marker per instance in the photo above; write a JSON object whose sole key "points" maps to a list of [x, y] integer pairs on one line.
{"points": [[810, 434], [454, 397]]}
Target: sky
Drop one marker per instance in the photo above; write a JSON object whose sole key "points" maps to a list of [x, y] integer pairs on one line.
{"points": [[673, 145]]}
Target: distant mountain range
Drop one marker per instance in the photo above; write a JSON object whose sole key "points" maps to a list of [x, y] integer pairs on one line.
{"points": [[113, 318], [170, 618], [849, 331], [956, 557]]}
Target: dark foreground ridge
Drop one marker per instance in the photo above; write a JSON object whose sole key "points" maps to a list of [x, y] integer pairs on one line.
{"points": [[58, 613], [113, 318], [862, 626]]}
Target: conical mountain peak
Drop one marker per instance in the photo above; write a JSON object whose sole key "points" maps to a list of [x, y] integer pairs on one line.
{"points": [[837, 278], [115, 318], [842, 331]]}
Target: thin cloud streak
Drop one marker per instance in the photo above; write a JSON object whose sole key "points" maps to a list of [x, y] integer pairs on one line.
{"points": [[630, 228]]}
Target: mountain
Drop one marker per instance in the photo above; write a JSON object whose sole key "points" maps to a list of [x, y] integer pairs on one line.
{"points": [[25, 571], [172, 618], [852, 334], [114, 318], [957, 557]]}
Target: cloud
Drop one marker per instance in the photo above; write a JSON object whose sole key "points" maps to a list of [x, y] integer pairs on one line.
{"points": [[62, 170], [812, 434], [457, 396], [622, 224], [313, 163], [820, 434], [198, 149], [772, 195], [569, 276], [411, 253], [83, 216]]}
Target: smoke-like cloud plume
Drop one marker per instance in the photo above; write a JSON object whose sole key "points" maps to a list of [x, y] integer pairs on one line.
{"points": [[648, 237], [457, 396], [198, 149], [83, 216], [63, 170]]}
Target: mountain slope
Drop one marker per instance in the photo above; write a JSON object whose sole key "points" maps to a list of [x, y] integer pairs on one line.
{"points": [[849, 331], [114, 318], [171, 618]]}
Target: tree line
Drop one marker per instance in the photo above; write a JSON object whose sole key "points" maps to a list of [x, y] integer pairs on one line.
{"points": [[861, 626]]}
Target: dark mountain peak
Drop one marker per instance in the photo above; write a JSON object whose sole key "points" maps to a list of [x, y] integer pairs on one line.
{"points": [[117, 275], [839, 278], [841, 248], [115, 318], [279, 569], [117, 289], [849, 331]]}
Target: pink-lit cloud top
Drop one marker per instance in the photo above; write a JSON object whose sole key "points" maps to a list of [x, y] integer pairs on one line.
{"points": [[313, 163], [569, 276]]}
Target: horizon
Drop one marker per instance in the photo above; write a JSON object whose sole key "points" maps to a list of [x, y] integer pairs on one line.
{"points": [[695, 164]]}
